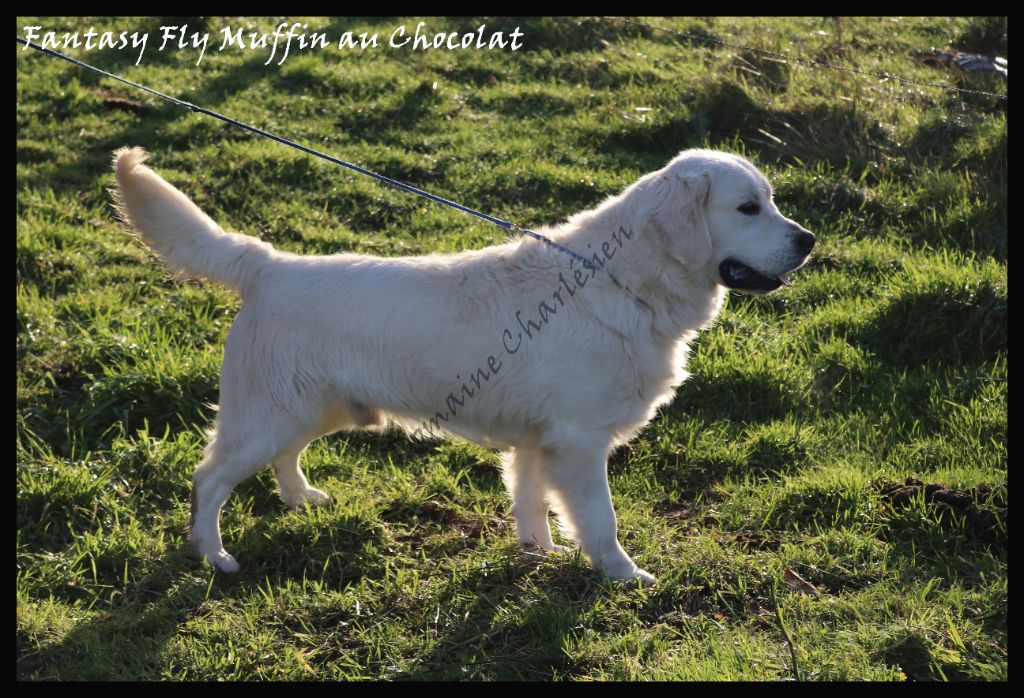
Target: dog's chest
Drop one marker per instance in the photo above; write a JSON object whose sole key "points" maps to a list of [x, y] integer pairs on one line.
{"points": [[653, 373]]}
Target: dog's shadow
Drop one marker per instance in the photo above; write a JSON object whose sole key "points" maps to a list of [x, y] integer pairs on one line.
{"points": [[497, 613], [506, 620], [519, 625]]}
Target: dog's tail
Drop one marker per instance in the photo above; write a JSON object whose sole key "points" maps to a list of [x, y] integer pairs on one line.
{"points": [[185, 238]]}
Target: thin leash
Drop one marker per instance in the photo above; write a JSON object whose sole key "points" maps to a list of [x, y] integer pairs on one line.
{"points": [[507, 225]]}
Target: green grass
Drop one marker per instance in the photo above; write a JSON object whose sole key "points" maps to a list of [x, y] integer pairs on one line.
{"points": [[886, 359]]}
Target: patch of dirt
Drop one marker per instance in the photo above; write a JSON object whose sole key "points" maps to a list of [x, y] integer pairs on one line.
{"points": [[432, 511], [690, 505], [112, 99], [983, 512], [678, 513], [758, 541]]}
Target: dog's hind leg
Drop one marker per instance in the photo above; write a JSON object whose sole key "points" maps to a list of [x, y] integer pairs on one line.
{"points": [[527, 489], [225, 464], [576, 469], [334, 416]]}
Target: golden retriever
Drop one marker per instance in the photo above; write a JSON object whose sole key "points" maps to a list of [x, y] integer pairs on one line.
{"points": [[554, 358]]}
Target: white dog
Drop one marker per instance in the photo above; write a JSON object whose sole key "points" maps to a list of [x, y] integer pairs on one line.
{"points": [[519, 346]]}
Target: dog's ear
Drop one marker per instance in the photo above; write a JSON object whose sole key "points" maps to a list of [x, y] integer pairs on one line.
{"points": [[678, 215]]}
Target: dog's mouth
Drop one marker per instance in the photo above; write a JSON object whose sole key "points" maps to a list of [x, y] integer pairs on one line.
{"points": [[739, 277]]}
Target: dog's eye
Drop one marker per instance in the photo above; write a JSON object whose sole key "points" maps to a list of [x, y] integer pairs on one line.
{"points": [[751, 209]]}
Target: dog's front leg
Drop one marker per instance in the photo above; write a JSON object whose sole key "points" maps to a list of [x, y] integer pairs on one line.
{"points": [[577, 470]]}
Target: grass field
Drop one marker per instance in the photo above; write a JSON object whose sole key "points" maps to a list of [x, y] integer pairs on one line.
{"points": [[788, 451]]}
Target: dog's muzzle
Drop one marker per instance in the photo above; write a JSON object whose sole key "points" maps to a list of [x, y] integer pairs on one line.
{"points": [[742, 277]]}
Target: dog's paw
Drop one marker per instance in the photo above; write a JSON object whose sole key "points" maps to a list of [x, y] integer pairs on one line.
{"points": [[636, 578], [310, 495], [643, 578], [531, 548], [223, 561]]}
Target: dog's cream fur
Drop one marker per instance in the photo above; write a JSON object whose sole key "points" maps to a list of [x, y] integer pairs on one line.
{"points": [[351, 341]]}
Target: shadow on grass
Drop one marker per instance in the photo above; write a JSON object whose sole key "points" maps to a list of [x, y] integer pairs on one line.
{"points": [[737, 397], [91, 414], [93, 165], [126, 643], [514, 630], [722, 112], [130, 641], [949, 326]]}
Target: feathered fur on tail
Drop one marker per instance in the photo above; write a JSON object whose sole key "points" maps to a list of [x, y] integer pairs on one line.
{"points": [[185, 238]]}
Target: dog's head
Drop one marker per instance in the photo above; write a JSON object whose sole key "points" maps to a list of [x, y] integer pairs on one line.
{"points": [[713, 212]]}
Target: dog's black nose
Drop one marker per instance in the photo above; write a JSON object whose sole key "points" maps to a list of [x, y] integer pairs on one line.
{"points": [[805, 242]]}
